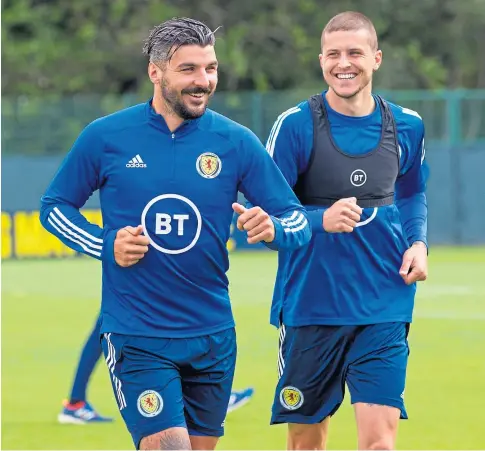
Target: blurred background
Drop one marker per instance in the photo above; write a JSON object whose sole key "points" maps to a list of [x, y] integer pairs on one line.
{"points": [[65, 63]]}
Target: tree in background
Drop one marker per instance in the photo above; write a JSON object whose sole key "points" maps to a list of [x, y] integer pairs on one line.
{"points": [[61, 47]]}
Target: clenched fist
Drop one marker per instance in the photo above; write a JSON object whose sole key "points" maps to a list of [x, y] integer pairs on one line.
{"points": [[414, 266], [256, 222], [130, 246], [342, 216]]}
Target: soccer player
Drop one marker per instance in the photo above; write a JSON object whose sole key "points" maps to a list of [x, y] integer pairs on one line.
{"points": [[344, 302], [77, 410], [168, 172]]}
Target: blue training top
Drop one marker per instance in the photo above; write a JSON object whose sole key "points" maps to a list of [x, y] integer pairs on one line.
{"points": [[180, 186]]}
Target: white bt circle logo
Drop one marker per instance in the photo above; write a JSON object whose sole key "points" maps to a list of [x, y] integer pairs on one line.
{"points": [[358, 177], [172, 224]]}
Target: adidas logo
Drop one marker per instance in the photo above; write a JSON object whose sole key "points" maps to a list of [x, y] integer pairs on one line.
{"points": [[136, 162]]}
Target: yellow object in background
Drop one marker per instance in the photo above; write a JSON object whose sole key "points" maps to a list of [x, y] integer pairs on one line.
{"points": [[32, 240], [6, 235], [23, 236]]}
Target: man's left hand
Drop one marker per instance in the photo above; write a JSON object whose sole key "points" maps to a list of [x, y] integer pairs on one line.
{"points": [[256, 222], [415, 263]]}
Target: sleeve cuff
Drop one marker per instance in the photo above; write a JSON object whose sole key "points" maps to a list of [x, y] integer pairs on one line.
{"points": [[316, 220], [278, 230], [108, 254]]}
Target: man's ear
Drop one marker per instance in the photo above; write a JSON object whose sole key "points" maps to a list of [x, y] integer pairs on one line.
{"points": [[154, 73], [378, 59]]}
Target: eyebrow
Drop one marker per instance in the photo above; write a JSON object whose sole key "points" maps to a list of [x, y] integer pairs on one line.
{"points": [[183, 65], [353, 49]]}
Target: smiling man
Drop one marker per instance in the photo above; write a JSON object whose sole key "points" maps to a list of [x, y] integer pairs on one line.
{"points": [[168, 172], [344, 302]]}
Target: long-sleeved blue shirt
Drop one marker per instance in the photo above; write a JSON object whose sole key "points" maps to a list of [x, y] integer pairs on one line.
{"points": [[180, 186], [341, 279]]}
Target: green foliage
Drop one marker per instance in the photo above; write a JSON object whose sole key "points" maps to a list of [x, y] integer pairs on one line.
{"points": [[67, 62], [61, 47]]}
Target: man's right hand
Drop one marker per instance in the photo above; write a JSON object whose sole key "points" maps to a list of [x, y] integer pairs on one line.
{"points": [[342, 216], [130, 246]]}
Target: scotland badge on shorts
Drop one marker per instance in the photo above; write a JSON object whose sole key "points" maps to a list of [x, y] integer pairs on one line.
{"points": [[150, 403], [208, 165], [291, 398]]}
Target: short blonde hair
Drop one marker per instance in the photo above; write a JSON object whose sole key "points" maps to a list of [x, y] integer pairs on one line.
{"points": [[351, 21]]}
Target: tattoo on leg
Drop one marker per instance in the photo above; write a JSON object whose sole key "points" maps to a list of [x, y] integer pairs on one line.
{"points": [[166, 440], [174, 441], [371, 405]]}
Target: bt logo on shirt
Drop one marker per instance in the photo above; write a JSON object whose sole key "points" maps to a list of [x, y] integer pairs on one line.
{"points": [[163, 223], [172, 223], [358, 177]]}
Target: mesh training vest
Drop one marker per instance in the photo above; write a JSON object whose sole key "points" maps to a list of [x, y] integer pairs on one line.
{"points": [[333, 174]]}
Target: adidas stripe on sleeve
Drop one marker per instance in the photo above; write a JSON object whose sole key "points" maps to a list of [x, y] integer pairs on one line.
{"points": [[283, 145], [73, 234]]}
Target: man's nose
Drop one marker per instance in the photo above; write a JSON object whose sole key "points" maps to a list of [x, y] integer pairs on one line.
{"points": [[202, 79], [344, 62]]}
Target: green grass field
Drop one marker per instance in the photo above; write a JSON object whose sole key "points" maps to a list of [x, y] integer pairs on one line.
{"points": [[48, 307]]}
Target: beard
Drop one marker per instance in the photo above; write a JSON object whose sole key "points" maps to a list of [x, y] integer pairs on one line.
{"points": [[175, 103]]}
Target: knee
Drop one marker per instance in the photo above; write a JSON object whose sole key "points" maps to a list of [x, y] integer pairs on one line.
{"points": [[379, 444], [305, 444]]}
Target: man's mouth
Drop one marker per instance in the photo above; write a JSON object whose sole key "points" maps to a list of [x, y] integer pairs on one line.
{"points": [[348, 76], [197, 93]]}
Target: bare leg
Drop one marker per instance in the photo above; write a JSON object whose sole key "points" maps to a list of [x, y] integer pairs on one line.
{"points": [[308, 436], [376, 426], [203, 442]]}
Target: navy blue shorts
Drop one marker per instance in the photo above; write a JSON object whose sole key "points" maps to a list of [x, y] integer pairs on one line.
{"points": [[161, 383], [315, 363]]}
